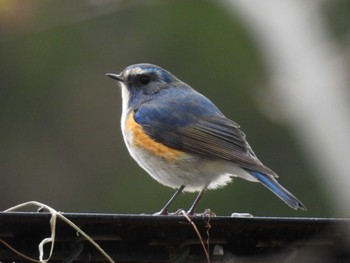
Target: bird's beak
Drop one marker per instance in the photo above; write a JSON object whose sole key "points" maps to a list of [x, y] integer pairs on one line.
{"points": [[118, 77]]}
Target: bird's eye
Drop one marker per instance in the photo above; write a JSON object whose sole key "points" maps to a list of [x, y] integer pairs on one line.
{"points": [[144, 79]]}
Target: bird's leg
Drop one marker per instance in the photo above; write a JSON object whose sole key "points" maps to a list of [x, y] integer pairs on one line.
{"points": [[164, 210], [196, 202]]}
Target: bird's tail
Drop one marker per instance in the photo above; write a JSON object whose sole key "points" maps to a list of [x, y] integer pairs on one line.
{"points": [[279, 190]]}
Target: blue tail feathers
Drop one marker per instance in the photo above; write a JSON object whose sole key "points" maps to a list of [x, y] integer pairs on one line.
{"points": [[279, 190]]}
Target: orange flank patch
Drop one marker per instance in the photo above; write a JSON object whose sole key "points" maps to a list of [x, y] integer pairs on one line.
{"points": [[142, 140]]}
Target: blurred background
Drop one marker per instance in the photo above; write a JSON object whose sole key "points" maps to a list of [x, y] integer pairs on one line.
{"points": [[60, 137]]}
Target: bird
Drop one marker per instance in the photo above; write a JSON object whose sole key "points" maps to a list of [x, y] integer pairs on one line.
{"points": [[182, 140]]}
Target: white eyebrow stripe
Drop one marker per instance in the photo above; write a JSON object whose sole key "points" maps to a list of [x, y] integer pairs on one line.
{"points": [[136, 71]]}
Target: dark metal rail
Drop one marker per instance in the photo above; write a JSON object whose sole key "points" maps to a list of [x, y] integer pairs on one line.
{"points": [[144, 238]]}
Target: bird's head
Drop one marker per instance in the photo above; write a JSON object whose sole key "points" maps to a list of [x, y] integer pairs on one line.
{"points": [[144, 78]]}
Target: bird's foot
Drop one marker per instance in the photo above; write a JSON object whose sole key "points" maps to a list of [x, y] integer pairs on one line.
{"points": [[207, 212], [161, 213], [166, 213]]}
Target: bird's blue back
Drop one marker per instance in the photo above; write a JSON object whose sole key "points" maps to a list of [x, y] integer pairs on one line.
{"points": [[175, 107]]}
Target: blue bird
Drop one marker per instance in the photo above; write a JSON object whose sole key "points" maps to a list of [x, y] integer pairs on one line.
{"points": [[183, 140]]}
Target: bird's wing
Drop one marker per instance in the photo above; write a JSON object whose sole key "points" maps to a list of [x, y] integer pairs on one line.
{"points": [[219, 137], [198, 128]]}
